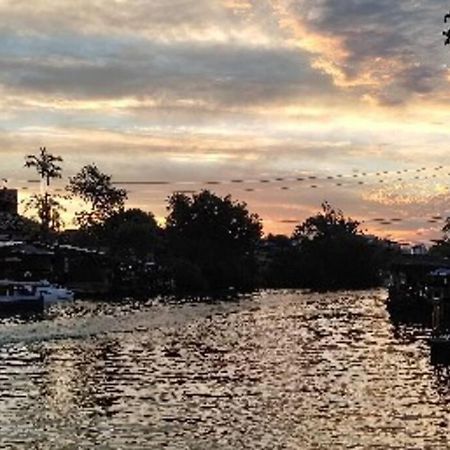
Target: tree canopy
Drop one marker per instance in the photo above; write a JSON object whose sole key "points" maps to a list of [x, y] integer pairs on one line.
{"points": [[96, 189], [209, 242], [131, 234], [48, 207], [334, 253], [327, 224], [441, 247], [215, 234], [46, 164], [18, 226]]}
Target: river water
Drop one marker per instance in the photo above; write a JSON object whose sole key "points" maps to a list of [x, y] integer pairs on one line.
{"points": [[273, 370]]}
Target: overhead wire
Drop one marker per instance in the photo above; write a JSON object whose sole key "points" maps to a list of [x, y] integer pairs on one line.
{"points": [[293, 182]]}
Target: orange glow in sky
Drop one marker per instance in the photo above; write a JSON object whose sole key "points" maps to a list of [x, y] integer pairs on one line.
{"points": [[216, 90]]}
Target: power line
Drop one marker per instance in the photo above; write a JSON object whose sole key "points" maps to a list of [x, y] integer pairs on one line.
{"points": [[316, 178]]}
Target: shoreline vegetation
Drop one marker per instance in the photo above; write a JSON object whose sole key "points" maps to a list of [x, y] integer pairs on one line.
{"points": [[208, 244]]}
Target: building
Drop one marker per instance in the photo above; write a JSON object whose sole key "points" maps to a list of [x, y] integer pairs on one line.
{"points": [[22, 261], [14, 226], [8, 201]]}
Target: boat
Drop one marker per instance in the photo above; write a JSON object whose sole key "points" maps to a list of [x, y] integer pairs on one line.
{"points": [[30, 295], [417, 280], [18, 296], [52, 293]]}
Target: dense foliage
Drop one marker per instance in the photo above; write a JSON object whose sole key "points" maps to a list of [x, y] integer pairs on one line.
{"points": [[131, 235], [334, 254], [216, 236], [48, 209], [96, 189], [208, 243], [19, 227], [47, 206], [45, 164], [279, 263]]}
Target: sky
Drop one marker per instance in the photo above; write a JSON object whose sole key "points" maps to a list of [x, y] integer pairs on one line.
{"points": [[191, 91]]}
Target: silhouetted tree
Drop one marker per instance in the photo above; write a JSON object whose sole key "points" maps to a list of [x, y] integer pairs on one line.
{"points": [[18, 227], [96, 189], [47, 206], [131, 234], [216, 236], [279, 261], [48, 209], [329, 223], [441, 247], [46, 165], [334, 254]]}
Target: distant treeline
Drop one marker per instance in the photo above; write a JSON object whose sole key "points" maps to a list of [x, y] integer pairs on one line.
{"points": [[208, 242]]}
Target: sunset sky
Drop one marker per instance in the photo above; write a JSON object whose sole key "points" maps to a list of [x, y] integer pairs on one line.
{"points": [[219, 90]]}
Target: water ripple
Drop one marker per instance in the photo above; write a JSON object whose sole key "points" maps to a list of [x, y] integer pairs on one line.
{"points": [[277, 370]]}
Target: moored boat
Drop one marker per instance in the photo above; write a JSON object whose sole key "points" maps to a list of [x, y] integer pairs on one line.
{"points": [[18, 296], [30, 295], [52, 293]]}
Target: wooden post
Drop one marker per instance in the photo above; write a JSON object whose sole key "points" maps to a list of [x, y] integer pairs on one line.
{"points": [[437, 316]]}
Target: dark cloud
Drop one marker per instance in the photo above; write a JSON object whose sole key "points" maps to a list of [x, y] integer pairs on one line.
{"points": [[217, 74], [399, 42], [419, 79]]}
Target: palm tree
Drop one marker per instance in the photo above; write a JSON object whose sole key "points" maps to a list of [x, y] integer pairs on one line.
{"points": [[45, 164], [47, 167]]}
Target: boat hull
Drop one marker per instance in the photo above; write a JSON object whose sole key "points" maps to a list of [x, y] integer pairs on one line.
{"points": [[21, 306]]}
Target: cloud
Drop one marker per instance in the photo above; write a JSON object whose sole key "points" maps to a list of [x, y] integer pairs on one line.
{"points": [[157, 20], [389, 50], [384, 50], [215, 74], [204, 89]]}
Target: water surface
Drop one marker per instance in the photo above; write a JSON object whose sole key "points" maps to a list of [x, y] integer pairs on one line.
{"points": [[276, 370]]}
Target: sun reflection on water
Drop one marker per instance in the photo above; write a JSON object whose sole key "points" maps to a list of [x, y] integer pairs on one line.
{"points": [[276, 370]]}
